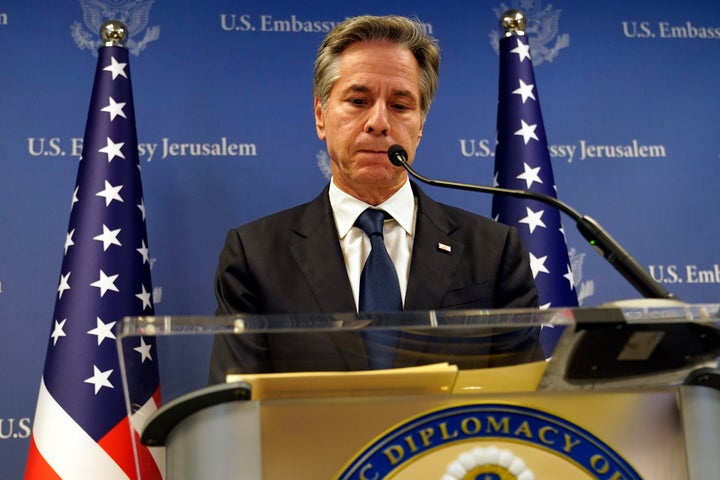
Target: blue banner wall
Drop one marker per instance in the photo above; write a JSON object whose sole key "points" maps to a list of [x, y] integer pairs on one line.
{"points": [[223, 100]]}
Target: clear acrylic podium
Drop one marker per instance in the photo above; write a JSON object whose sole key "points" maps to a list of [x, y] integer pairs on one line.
{"points": [[627, 392]]}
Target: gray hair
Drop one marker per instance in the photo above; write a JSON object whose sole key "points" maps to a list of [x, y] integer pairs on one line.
{"points": [[396, 29]]}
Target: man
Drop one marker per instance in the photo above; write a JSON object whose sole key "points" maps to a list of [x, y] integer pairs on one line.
{"points": [[374, 81]]}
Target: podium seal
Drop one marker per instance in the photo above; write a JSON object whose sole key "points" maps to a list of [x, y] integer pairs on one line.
{"points": [[487, 442]]}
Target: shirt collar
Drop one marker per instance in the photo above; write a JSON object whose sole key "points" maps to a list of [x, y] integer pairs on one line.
{"points": [[346, 208]]}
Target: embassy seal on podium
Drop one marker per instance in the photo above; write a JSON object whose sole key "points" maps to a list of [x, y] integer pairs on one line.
{"points": [[487, 442]]}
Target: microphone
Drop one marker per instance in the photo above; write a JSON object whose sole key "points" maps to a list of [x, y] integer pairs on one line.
{"points": [[590, 229]]}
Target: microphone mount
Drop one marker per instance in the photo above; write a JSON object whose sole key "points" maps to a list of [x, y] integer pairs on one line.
{"points": [[589, 228]]}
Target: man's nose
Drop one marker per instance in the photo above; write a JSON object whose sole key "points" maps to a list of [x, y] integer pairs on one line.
{"points": [[377, 121]]}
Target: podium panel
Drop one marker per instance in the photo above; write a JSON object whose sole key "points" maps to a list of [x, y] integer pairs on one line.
{"points": [[628, 393], [630, 426]]}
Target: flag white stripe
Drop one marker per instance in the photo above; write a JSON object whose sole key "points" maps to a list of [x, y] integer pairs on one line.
{"points": [[69, 450]]}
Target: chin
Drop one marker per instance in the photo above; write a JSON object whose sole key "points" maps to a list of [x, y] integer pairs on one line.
{"points": [[385, 174]]}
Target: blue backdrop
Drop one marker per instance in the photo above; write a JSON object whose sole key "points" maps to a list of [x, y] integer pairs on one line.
{"points": [[223, 99]]}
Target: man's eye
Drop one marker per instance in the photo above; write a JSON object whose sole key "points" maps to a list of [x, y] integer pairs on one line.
{"points": [[357, 101]]}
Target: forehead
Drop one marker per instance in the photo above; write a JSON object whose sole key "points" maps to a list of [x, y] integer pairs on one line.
{"points": [[377, 63]]}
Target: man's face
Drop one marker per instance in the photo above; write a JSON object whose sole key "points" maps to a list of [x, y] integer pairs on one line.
{"points": [[374, 104]]}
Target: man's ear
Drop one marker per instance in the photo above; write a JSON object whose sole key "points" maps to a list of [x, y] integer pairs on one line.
{"points": [[319, 120]]}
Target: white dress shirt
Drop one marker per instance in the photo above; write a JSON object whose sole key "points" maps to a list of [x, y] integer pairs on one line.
{"points": [[398, 233]]}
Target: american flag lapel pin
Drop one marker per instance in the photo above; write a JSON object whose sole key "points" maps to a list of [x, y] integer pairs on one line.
{"points": [[444, 248]]}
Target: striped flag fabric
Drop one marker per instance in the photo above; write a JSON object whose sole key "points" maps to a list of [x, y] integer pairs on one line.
{"points": [[82, 427], [522, 162]]}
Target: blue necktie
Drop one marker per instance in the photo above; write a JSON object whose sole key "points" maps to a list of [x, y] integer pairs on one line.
{"points": [[379, 289]]}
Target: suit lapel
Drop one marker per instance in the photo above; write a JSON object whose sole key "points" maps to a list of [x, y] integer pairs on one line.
{"points": [[316, 250], [435, 257], [318, 255]]}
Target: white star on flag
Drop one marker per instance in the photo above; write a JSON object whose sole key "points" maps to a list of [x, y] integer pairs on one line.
{"points": [[537, 265], [108, 237], [143, 350], [145, 252], [69, 240], [530, 175], [569, 277], [100, 379], [141, 206], [74, 198], [116, 68], [527, 132], [112, 150], [115, 108], [525, 91], [103, 330], [58, 331], [522, 50], [105, 283], [110, 193], [64, 285], [145, 296], [533, 219]]}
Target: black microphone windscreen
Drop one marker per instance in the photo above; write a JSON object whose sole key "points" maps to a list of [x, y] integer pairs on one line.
{"points": [[397, 155]]}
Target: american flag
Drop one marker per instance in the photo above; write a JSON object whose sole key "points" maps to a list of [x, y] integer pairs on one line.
{"points": [[522, 162], [82, 429]]}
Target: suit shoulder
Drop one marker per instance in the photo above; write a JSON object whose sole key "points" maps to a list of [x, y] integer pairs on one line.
{"points": [[282, 217], [299, 218], [449, 218], [464, 220]]}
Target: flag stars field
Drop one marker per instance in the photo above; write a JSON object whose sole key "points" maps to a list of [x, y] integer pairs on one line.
{"points": [[522, 162]]}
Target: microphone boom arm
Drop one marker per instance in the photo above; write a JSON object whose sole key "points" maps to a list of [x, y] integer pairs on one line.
{"points": [[590, 229]]}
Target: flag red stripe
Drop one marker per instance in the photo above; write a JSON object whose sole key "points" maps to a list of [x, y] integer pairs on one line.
{"points": [[117, 444], [37, 468]]}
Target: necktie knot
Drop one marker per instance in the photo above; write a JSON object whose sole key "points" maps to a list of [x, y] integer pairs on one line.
{"points": [[371, 221]]}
